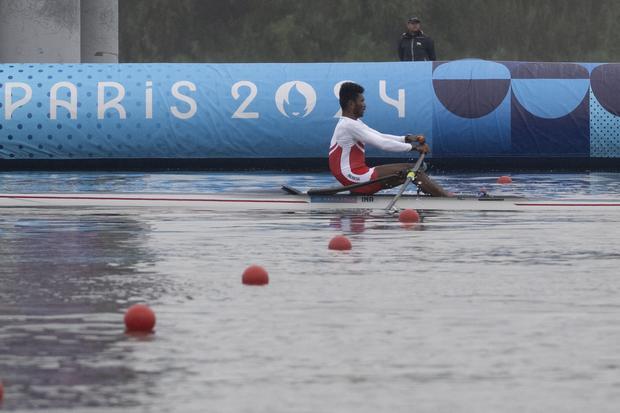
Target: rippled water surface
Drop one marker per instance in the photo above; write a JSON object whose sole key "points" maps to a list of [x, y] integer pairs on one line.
{"points": [[467, 311]]}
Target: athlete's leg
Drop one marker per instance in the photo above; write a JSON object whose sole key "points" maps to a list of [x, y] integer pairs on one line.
{"points": [[422, 180], [429, 186], [399, 169]]}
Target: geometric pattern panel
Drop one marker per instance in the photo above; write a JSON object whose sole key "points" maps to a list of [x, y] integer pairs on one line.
{"points": [[604, 131]]}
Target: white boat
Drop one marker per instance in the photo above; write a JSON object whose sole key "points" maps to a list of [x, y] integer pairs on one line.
{"points": [[294, 202]]}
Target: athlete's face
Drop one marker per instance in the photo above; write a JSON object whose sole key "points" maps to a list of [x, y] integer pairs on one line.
{"points": [[359, 106]]}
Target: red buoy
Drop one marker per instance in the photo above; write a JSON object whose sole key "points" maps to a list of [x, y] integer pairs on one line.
{"points": [[1, 391], [139, 318], [409, 216], [340, 243], [504, 180], [255, 275]]}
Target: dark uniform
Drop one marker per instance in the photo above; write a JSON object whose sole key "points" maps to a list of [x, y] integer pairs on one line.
{"points": [[416, 47]]}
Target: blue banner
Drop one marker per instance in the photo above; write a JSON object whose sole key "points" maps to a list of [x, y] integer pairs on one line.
{"points": [[249, 111]]}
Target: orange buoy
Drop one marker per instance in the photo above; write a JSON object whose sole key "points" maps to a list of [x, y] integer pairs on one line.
{"points": [[139, 318], [255, 275], [340, 243], [409, 216], [504, 180]]}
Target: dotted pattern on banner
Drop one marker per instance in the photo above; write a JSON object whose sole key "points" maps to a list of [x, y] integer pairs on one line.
{"points": [[32, 134], [604, 131]]}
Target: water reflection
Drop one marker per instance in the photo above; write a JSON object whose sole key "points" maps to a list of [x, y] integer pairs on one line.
{"points": [[357, 223], [349, 223], [65, 282]]}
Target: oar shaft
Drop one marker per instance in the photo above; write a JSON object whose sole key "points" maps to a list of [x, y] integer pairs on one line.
{"points": [[410, 177]]}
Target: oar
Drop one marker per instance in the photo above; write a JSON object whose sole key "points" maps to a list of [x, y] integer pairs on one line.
{"points": [[410, 177], [340, 188]]}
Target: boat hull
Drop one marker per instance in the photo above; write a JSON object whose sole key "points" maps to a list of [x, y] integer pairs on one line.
{"points": [[264, 201]]}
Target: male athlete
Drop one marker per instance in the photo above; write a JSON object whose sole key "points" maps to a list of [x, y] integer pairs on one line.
{"points": [[347, 161]]}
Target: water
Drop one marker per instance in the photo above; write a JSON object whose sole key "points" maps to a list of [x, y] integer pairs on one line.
{"points": [[468, 311]]}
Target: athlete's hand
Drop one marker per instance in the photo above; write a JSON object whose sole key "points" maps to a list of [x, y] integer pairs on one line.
{"points": [[424, 148], [415, 139]]}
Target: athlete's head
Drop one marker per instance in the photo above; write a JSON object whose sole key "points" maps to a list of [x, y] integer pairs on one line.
{"points": [[352, 99]]}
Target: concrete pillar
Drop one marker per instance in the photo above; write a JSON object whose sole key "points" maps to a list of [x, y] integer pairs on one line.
{"points": [[99, 31], [39, 31]]}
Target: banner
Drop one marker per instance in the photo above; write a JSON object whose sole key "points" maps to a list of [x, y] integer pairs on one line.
{"points": [[466, 108]]}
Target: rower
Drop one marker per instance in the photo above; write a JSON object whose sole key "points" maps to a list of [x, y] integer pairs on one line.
{"points": [[347, 160]]}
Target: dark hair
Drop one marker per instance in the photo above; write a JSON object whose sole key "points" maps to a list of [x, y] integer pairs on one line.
{"points": [[349, 91]]}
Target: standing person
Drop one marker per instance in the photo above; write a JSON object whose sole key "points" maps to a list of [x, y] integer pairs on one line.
{"points": [[414, 45], [347, 160]]}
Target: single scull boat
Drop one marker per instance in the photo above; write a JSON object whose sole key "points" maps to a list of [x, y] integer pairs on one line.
{"points": [[292, 201]]}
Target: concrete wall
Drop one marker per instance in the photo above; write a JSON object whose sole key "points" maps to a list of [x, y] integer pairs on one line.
{"points": [[58, 31], [99, 31], [40, 31]]}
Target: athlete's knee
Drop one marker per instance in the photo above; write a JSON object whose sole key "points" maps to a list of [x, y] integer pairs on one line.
{"points": [[403, 173]]}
